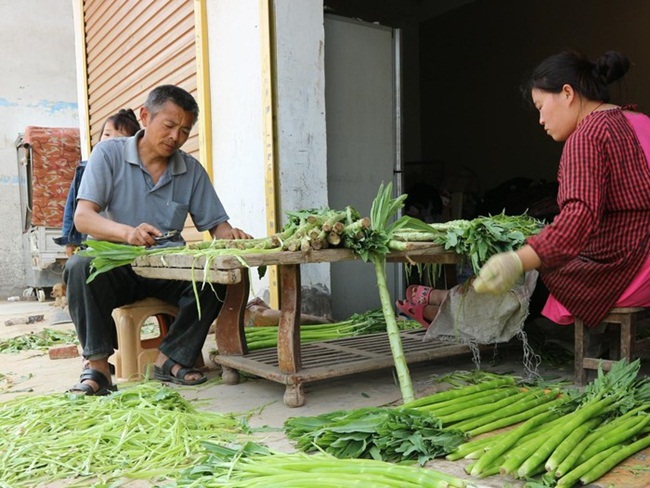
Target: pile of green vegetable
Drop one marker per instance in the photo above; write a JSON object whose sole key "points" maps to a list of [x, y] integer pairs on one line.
{"points": [[144, 432], [255, 466], [384, 434], [579, 440], [41, 340], [559, 436], [482, 237], [370, 322]]}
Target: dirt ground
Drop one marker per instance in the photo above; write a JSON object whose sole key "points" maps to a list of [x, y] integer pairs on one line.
{"points": [[33, 372]]}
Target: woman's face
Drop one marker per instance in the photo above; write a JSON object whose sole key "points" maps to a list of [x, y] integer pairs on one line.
{"points": [[110, 131], [557, 114]]}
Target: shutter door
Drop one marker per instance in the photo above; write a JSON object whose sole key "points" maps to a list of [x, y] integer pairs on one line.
{"points": [[132, 46]]}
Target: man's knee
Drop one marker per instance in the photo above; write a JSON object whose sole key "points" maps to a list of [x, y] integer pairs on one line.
{"points": [[76, 265]]}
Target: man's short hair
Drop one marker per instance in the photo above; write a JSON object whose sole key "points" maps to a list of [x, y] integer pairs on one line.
{"points": [[171, 93]]}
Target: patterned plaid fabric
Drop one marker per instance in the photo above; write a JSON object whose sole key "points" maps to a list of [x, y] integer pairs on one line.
{"points": [[598, 242], [55, 154]]}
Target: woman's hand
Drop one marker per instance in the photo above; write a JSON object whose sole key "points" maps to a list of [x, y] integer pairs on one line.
{"points": [[499, 273]]}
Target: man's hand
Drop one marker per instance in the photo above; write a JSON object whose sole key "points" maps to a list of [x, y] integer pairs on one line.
{"points": [[142, 235], [239, 234], [225, 231], [499, 273]]}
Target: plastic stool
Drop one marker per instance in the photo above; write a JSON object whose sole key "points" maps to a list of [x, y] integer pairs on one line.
{"points": [[133, 354], [623, 346]]}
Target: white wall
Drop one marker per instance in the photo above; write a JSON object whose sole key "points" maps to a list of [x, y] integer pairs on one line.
{"points": [[38, 87], [234, 43], [236, 94], [302, 137]]}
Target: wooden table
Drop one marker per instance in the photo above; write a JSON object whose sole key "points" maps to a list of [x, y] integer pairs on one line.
{"points": [[292, 364]]}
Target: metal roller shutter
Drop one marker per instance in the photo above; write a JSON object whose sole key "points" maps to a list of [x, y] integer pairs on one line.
{"points": [[133, 46]]}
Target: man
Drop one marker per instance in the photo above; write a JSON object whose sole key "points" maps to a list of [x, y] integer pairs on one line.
{"points": [[135, 189]]}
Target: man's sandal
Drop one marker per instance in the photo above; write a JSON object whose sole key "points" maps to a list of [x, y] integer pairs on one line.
{"points": [[164, 373], [413, 310], [104, 384]]}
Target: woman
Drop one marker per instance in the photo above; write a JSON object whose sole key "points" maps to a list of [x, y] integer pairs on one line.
{"points": [[594, 256], [122, 124]]}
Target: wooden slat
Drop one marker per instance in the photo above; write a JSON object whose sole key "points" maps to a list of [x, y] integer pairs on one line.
{"points": [[225, 277], [340, 357]]}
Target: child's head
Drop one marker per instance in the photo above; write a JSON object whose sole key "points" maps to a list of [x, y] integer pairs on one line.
{"points": [[122, 124]]}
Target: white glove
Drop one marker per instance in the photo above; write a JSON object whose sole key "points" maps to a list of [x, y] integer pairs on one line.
{"points": [[499, 273]]}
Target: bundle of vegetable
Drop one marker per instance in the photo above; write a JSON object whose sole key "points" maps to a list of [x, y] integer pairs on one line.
{"points": [[492, 403], [373, 247], [305, 230], [370, 322], [476, 239], [40, 340], [488, 403], [254, 466], [146, 431], [322, 228], [386, 434], [557, 440], [108, 255]]}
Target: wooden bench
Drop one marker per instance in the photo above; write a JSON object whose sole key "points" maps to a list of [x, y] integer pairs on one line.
{"points": [[621, 324]]}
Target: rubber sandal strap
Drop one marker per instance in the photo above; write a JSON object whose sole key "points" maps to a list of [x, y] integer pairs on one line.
{"points": [[418, 294], [414, 311], [104, 385]]}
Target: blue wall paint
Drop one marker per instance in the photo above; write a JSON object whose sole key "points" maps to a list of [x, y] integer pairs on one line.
{"points": [[6, 180], [6, 103], [48, 105], [54, 107]]}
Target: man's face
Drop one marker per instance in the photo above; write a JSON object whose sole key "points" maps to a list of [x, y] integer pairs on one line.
{"points": [[167, 130]]}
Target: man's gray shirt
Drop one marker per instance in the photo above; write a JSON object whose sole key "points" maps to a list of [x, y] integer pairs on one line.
{"points": [[116, 180]]}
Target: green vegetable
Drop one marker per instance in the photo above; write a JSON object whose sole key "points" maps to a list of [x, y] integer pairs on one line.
{"points": [[606, 460], [253, 466], [387, 434], [357, 324], [41, 340], [373, 247], [146, 431], [477, 239], [460, 392]]}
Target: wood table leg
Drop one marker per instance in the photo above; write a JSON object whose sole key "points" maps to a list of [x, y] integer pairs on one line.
{"points": [[230, 376], [294, 395], [229, 332], [289, 356]]}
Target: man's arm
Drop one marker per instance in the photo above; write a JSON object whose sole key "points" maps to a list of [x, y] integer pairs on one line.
{"points": [[88, 220], [225, 231]]}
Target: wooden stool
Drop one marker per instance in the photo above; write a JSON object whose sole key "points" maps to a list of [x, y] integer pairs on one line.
{"points": [[623, 345], [134, 354]]}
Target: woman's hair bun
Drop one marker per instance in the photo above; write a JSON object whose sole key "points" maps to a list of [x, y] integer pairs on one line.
{"points": [[611, 66]]}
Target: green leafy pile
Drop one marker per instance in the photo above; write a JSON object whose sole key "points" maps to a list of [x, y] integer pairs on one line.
{"points": [[482, 237], [386, 434], [145, 431], [41, 340]]}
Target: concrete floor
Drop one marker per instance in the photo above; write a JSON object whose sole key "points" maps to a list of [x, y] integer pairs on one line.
{"points": [[33, 372]]}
